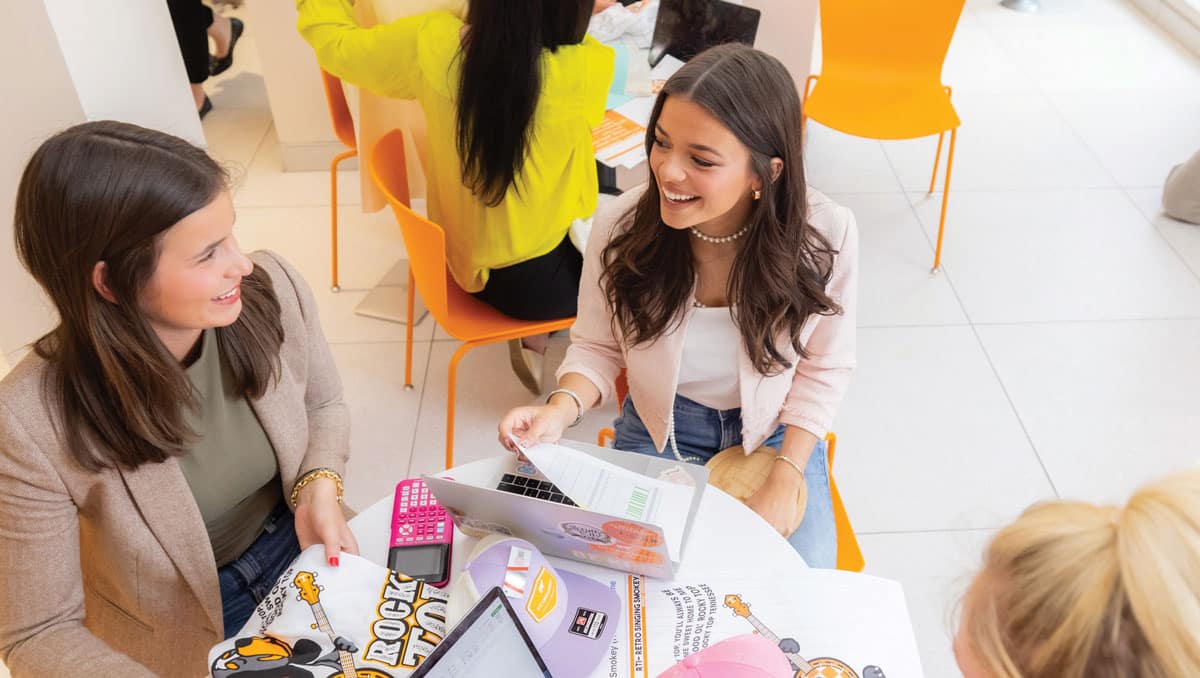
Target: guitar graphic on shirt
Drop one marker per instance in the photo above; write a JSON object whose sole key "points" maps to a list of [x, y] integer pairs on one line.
{"points": [[819, 667], [310, 593]]}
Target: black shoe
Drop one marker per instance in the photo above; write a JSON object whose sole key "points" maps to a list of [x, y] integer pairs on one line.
{"points": [[218, 65], [205, 107]]}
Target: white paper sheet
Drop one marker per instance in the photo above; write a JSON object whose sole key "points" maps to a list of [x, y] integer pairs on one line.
{"points": [[607, 488]]}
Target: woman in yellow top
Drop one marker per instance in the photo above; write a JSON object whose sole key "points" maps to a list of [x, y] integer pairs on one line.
{"points": [[510, 98]]}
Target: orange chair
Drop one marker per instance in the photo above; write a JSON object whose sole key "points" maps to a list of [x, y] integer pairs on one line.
{"points": [[461, 315], [343, 127], [881, 76]]}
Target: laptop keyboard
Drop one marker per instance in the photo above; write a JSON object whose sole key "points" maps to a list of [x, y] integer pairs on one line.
{"points": [[532, 487]]}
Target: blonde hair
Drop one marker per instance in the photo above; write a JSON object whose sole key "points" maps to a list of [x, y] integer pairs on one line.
{"points": [[1074, 590]]}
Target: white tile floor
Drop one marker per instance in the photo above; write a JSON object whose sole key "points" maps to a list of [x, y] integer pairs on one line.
{"points": [[1056, 355]]}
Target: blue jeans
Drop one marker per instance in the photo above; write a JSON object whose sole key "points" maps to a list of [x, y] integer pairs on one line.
{"points": [[247, 580], [701, 432]]}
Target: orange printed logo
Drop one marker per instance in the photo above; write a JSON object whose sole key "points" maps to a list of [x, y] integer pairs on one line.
{"points": [[633, 534], [543, 596]]}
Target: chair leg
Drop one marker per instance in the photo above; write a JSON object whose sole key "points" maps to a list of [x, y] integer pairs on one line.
{"points": [[937, 158], [408, 331], [333, 214], [937, 255], [333, 222], [462, 350]]}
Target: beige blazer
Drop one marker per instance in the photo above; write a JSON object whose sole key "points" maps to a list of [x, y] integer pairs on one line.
{"points": [[806, 395], [112, 573]]}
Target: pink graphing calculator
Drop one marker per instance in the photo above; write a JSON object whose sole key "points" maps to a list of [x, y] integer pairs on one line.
{"points": [[422, 534]]}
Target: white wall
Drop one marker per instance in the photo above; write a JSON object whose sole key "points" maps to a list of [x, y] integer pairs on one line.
{"points": [[787, 31], [65, 62], [125, 63], [293, 79], [39, 99]]}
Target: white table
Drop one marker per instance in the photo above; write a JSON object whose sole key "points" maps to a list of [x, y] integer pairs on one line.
{"points": [[725, 536]]}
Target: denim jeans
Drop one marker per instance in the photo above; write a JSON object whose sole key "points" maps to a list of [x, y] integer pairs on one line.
{"points": [[701, 432], [247, 580]]}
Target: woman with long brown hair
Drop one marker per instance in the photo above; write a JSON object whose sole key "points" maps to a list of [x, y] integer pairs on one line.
{"points": [[174, 442], [725, 288]]}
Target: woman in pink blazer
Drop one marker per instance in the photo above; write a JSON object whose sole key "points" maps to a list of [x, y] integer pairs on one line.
{"points": [[725, 288]]}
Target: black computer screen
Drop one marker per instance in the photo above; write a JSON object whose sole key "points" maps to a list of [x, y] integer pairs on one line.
{"points": [[687, 27]]}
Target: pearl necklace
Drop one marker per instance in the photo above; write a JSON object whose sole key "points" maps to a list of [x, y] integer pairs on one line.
{"points": [[719, 240]]}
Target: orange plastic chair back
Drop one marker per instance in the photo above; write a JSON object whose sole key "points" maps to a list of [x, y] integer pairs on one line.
{"points": [[339, 110], [424, 240], [849, 554], [881, 67]]}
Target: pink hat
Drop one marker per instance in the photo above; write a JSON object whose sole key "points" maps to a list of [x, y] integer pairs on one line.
{"points": [[748, 656]]}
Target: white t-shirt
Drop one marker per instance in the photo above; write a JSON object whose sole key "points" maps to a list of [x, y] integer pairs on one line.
{"points": [[708, 370]]}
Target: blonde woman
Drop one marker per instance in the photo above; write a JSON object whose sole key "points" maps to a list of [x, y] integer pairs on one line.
{"points": [[1075, 590]]}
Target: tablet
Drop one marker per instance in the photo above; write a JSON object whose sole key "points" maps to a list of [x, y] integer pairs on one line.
{"points": [[487, 638]]}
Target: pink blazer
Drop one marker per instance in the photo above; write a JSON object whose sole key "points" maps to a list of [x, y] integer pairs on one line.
{"points": [[806, 395]]}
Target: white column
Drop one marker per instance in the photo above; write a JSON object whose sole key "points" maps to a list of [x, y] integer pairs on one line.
{"points": [[68, 61]]}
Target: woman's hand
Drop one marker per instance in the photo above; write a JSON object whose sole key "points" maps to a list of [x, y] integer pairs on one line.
{"points": [[602, 5], [533, 425], [319, 520], [781, 499]]}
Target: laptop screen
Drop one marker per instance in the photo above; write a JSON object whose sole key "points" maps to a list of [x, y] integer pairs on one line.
{"points": [[487, 638], [687, 27]]}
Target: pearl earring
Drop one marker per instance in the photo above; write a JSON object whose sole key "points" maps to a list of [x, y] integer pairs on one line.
{"points": [[757, 194]]}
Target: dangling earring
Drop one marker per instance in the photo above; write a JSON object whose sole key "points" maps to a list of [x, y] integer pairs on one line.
{"points": [[757, 194]]}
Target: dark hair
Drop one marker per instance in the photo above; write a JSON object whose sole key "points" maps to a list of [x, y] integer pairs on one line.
{"points": [[502, 81], [106, 191], [779, 274]]}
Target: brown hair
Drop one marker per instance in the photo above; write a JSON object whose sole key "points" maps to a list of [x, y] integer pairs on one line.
{"points": [[1074, 590], [106, 191], [779, 274]]}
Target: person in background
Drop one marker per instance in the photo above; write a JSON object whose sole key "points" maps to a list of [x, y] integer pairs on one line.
{"points": [[510, 97], [726, 289], [194, 24], [173, 443], [1181, 191], [1076, 590]]}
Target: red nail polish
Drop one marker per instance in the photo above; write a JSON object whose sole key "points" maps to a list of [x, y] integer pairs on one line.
{"points": [[333, 561]]}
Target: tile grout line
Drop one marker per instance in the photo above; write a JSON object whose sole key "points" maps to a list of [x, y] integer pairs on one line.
{"points": [[1016, 413], [1124, 190], [1170, 245], [936, 530], [975, 332]]}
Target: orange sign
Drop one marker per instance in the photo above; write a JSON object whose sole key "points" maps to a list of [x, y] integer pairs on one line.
{"points": [[543, 597], [616, 135]]}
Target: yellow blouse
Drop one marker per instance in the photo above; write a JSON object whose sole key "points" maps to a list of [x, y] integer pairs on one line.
{"points": [[416, 58]]}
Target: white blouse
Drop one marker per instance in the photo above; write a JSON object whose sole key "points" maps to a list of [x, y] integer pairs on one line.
{"points": [[708, 369]]}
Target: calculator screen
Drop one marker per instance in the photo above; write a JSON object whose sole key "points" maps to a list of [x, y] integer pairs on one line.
{"points": [[418, 562]]}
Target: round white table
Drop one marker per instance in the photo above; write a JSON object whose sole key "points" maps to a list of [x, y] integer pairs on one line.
{"points": [[725, 537]]}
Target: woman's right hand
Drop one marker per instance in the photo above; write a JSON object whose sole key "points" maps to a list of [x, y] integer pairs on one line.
{"points": [[535, 424]]}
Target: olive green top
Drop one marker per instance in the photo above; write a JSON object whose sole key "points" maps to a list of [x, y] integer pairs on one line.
{"points": [[231, 468]]}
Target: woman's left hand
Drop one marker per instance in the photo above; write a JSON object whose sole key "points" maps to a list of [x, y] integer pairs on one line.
{"points": [[319, 520], [780, 500]]}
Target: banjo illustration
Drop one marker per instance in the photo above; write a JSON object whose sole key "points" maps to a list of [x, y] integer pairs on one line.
{"points": [[817, 667]]}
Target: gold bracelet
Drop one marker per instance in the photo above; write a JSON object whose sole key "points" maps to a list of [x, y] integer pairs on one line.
{"points": [[790, 462], [311, 476]]}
